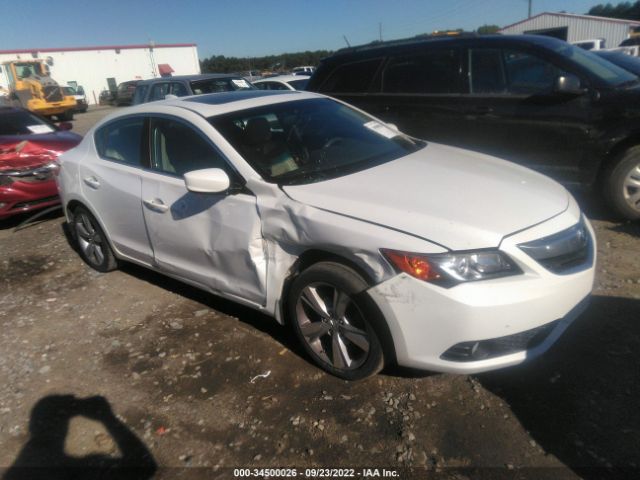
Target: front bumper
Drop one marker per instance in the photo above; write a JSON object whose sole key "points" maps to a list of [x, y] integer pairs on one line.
{"points": [[426, 321], [21, 197]]}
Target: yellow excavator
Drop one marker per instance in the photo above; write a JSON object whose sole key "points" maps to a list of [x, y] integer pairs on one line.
{"points": [[30, 86]]}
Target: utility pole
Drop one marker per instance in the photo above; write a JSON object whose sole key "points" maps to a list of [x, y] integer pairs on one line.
{"points": [[345, 39], [380, 30], [530, 1]]}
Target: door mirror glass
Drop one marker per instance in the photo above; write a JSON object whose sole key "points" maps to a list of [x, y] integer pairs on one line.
{"points": [[208, 180], [569, 84]]}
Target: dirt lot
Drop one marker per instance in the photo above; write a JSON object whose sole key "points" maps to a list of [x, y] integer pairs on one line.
{"points": [[176, 371]]}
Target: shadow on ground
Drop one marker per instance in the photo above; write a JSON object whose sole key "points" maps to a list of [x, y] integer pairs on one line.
{"points": [[580, 401], [45, 457]]}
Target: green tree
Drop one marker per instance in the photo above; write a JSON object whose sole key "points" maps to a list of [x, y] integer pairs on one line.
{"points": [[625, 10], [277, 63], [488, 29]]}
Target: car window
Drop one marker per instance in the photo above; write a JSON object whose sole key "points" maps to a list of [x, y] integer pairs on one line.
{"points": [[437, 71], [497, 71], [299, 84], [214, 85], [121, 140], [179, 90], [177, 148], [352, 77], [273, 86], [140, 93], [159, 91], [22, 122]]}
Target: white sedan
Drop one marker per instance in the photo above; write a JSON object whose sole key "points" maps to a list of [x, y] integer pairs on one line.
{"points": [[376, 247], [282, 82]]}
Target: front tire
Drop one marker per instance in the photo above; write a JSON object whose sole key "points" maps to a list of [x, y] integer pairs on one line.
{"points": [[622, 185], [91, 241], [334, 319]]}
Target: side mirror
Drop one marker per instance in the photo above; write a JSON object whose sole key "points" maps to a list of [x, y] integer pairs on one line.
{"points": [[208, 180], [65, 126], [569, 84]]}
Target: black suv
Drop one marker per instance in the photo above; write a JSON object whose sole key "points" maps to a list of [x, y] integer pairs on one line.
{"points": [[534, 100]]}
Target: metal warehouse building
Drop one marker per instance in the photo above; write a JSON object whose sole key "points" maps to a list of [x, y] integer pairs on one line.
{"points": [[100, 68], [573, 28]]}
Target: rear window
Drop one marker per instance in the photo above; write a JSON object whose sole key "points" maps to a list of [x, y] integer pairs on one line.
{"points": [[19, 122], [121, 141], [353, 77], [299, 84], [214, 85]]}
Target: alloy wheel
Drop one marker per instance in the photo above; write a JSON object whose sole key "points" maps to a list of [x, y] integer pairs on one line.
{"points": [[631, 187], [89, 239], [333, 326]]}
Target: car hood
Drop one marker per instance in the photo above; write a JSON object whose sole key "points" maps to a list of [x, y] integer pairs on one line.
{"points": [[25, 152], [456, 198]]}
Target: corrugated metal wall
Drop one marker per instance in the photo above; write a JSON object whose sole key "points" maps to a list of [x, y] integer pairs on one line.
{"points": [[579, 28]]}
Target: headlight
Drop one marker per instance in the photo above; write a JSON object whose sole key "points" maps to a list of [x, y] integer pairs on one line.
{"points": [[450, 269]]}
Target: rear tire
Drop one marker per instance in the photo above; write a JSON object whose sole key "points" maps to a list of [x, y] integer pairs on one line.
{"points": [[334, 320], [91, 241], [622, 185], [66, 116]]}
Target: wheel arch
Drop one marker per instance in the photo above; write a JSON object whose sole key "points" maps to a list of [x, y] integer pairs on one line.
{"points": [[314, 256], [75, 203]]}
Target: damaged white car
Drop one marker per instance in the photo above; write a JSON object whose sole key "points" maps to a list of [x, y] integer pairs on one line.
{"points": [[376, 247]]}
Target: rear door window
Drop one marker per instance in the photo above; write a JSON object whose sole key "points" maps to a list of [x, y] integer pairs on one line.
{"points": [[355, 77], [121, 141], [140, 93], [159, 91], [179, 89], [431, 72]]}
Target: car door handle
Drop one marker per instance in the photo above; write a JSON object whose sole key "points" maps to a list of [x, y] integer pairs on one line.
{"points": [[156, 205], [92, 182]]}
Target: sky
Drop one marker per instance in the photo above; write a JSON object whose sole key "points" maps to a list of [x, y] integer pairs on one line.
{"points": [[251, 28]]}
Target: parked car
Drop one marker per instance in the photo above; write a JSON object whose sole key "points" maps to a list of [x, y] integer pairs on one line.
{"points": [[306, 70], [377, 247], [124, 94], [534, 100], [29, 145], [628, 62], [185, 85], [282, 82], [593, 44], [79, 95], [107, 97]]}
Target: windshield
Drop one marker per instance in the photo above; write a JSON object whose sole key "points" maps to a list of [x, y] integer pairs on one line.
{"points": [[305, 141], [299, 84], [606, 71], [20, 122], [68, 91], [214, 85]]}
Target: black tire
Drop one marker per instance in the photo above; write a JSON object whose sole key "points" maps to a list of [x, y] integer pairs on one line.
{"points": [[91, 242], [66, 116], [619, 191], [354, 331]]}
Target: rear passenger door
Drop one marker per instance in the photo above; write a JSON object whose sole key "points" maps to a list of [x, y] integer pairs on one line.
{"points": [[421, 92], [512, 112], [112, 183], [214, 240]]}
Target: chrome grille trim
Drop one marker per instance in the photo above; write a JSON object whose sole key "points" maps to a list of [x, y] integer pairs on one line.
{"points": [[564, 252]]}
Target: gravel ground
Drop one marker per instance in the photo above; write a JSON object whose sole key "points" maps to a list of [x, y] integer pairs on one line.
{"points": [[132, 368]]}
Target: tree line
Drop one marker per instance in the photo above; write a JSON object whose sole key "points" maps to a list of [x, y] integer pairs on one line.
{"points": [[624, 10]]}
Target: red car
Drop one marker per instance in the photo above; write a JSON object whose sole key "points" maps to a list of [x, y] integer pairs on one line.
{"points": [[29, 146]]}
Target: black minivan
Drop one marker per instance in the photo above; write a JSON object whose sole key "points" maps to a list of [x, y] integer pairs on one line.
{"points": [[534, 100]]}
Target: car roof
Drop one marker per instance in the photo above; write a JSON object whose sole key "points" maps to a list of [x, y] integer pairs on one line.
{"points": [[462, 39], [202, 76], [212, 104], [282, 78]]}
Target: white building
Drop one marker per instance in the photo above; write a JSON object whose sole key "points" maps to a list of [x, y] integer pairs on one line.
{"points": [[100, 68], [573, 28]]}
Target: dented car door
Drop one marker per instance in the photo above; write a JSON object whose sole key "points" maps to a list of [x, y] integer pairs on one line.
{"points": [[212, 239]]}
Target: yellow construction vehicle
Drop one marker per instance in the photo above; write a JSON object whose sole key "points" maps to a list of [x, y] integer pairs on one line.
{"points": [[30, 86]]}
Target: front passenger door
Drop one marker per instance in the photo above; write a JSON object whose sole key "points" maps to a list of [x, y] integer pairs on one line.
{"points": [[212, 239]]}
